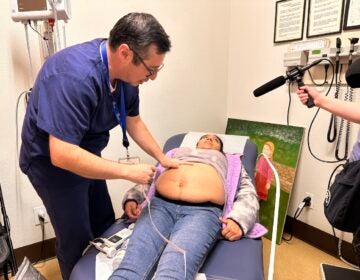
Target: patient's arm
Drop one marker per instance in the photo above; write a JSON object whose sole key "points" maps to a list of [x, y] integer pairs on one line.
{"points": [[232, 231], [136, 195], [246, 205], [132, 209]]}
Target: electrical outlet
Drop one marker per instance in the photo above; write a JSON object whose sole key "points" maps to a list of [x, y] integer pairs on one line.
{"points": [[40, 211], [312, 196]]}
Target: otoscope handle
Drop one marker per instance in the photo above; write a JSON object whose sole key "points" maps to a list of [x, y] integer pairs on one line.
{"points": [[310, 102]]}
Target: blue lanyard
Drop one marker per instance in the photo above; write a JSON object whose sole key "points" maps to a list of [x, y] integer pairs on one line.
{"points": [[120, 115]]}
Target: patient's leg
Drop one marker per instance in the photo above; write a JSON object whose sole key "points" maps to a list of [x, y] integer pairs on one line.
{"points": [[146, 245], [196, 231]]}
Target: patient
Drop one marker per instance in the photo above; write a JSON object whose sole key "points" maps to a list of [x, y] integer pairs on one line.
{"points": [[186, 208]]}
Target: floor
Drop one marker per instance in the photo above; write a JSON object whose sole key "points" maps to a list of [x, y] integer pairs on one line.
{"points": [[297, 260], [293, 261]]}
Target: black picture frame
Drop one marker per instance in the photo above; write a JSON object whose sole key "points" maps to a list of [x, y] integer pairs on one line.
{"points": [[348, 15], [280, 33], [335, 29]]}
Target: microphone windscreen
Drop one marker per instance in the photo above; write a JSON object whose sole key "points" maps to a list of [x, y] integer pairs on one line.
{"points": [[269, 86], [353, 74]]}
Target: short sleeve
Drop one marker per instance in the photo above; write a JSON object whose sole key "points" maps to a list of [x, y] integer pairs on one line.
{"points": [[65, 106]]}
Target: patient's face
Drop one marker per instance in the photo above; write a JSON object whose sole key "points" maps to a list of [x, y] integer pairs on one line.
{"points": [[209, 141]]}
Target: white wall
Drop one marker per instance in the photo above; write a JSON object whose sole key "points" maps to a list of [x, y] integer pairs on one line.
{"points": [[254, 60], [189, 93]]}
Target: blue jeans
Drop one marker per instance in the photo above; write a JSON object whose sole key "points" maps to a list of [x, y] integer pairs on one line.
{"points": [[195, 229]]}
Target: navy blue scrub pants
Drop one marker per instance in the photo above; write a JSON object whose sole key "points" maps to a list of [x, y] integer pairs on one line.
{"points": [[79, 209], [356, 244]]}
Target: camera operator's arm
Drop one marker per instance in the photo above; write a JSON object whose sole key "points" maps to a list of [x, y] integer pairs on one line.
{"points": [[347, 110]]}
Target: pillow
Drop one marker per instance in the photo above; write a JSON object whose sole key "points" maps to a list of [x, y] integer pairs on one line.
{"points": [[233, 144]]}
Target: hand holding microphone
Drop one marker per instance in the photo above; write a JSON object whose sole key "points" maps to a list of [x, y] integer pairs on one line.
{"points": [[294, 74], [310, 100], [305, 92]]}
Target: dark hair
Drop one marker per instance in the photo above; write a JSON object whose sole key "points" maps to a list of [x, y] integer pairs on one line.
{"points": [[139, 31], [221, 144]]}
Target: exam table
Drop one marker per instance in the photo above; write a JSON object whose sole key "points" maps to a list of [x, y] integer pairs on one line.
{"points": [[228, 260]]}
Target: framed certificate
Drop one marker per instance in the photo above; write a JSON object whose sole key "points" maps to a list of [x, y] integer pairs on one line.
{"points": [[324, 17], [289, 20], [352, 15]]}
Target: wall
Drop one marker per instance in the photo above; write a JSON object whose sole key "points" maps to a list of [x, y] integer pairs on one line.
{"points": [[188, 95], [254, 60]]}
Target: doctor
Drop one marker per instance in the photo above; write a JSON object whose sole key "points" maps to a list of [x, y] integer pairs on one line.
{"points": [[80, 94]]}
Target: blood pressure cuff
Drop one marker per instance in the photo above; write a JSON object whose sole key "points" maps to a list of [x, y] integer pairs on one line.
{"points": [[342, 202]]}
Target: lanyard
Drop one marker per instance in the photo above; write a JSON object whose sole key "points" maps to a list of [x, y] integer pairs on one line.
{"points": [[120, 115]]}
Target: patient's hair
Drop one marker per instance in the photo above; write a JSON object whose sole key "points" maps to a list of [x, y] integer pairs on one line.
{"points": [[221, 144], [139, 31]]}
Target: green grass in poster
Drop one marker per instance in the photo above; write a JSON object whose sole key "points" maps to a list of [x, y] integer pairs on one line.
{"points": [[267, 210], [287, 141]]}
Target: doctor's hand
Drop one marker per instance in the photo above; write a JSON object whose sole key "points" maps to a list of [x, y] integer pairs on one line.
{"points": [[139, 173], [305, 91], [167, 162], [232, 230], [132, 209]]}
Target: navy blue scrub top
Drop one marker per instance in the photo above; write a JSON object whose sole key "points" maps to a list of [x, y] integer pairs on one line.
{"points": [[70, 100]]}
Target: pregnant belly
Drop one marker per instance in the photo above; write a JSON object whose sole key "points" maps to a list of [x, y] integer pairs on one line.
{"points": [[192, 183]]}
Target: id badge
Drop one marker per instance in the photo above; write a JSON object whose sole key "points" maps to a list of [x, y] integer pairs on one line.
{"points": [[129, 160]]}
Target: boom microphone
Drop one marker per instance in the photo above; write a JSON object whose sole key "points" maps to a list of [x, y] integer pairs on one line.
{"points": [[269, 86], [294, 74]]}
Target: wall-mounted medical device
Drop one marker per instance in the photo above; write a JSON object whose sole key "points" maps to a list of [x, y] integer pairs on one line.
{"points": [[295, 58], [298, 52], [25, 10], [331, 54], [309, 45], [316, 54], [306, 52]]}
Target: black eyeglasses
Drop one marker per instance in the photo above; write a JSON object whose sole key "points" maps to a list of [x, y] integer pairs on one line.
{"points": [[151, 71]]}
